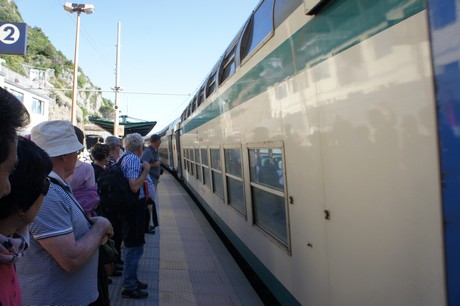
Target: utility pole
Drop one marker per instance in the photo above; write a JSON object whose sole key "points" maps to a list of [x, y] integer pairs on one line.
{"points": [[116, 121], [76, 8], [75, 73]]}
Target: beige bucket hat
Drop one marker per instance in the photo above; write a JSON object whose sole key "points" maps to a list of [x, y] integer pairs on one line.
{"points": [[56, 137]]}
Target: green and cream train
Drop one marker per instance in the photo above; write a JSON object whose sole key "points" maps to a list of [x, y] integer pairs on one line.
{"points": [[323, 144]]}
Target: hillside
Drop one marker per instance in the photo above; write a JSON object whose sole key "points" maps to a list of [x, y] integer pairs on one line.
{"points": [[41, 53]]}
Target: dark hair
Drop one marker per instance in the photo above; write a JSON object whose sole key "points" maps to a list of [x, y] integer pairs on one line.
{"points": [[154, 138], [13, 116], [80, 135], [100, 151], [27, 180]]}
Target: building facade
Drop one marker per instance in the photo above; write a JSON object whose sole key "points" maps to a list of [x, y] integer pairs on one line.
{"points": [[36, 102]]}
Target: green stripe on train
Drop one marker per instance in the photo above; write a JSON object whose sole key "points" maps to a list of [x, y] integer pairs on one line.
{"points": [[338, 28]]}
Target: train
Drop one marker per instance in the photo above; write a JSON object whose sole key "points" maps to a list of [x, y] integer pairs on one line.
{"points": [[323, 144]]}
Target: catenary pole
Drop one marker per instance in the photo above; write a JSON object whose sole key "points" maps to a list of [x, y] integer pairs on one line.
{"points": [[116, 120]]}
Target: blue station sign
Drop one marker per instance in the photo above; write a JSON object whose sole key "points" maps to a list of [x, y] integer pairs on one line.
{"points": [[13, 38]]}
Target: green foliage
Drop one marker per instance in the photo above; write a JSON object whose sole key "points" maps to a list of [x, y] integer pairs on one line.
{"points": [[107, 111], [81, 80], [9, 12]]}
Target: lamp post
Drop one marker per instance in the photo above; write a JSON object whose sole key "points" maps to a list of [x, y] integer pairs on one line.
{"points": [[76, 8]]}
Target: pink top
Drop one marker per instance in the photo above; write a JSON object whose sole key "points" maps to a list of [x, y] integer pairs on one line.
{"points": [[83, 184], [82, 177], [10, 294]]}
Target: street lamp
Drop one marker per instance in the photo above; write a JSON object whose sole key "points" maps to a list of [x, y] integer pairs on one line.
{"points": [[76, 8]]}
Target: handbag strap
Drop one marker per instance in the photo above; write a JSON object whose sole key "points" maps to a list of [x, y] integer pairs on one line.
{"points": [[70, 194]]}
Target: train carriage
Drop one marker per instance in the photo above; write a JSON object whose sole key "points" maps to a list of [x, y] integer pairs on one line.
{"points": [[314, 145]]}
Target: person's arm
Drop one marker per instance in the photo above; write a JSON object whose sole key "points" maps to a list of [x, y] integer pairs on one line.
{"points": [[72, 254], [147, 156], [136, 183], [155, 164]]}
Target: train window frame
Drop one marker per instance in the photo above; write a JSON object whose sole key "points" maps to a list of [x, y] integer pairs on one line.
{"points": [[229, 59], [231, 53], [265, 188], [212, 81], [198, 174], [216, 171], [247, 35], [200, 97], [205, 167], [192, 161], [186, 160], [232, 176], [193, 105]]}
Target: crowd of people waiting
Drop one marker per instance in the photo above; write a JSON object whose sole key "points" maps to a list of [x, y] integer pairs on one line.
{"points": [[55, 226]]}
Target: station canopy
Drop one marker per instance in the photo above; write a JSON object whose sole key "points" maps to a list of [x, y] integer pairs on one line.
{"points": [[131, 125]]}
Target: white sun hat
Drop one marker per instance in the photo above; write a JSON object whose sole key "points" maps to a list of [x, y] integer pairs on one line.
{"points": [[56, 137]]}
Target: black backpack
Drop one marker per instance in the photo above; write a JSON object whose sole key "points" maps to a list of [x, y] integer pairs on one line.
{"points": [[114, 191]]}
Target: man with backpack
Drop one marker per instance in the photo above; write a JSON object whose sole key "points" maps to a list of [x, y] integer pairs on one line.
{"points": [[152, 156], [126, 188]]}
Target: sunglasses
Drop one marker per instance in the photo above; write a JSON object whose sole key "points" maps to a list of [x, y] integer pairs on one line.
{"points": [[46, 186]]}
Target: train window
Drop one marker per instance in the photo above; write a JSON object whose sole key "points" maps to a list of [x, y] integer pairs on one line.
{"points": [[234, 179], [200, 97], [197, 165], [215, 159], [267, 192], [269, 168], [186, 161], [204, 157], [211, 86], [233, 162], [216, 173], [259, 28], [197, 156], [228, 65], [193, 105], [198, 172], [205, 168]]}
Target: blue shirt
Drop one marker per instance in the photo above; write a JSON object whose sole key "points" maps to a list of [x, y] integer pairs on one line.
{"points": [[132, 168], [151, 155]]}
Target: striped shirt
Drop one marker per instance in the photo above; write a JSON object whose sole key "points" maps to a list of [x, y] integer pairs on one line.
{"points": [[42, 280], [131, 166]]}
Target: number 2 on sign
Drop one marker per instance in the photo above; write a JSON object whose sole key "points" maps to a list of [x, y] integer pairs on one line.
{"points": [[9, 34]]}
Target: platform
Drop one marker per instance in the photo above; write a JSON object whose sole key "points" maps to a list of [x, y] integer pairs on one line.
{"points": [[185, 262]]}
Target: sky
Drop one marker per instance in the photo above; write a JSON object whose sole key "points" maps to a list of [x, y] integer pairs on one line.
{"points": [[166, 46]]}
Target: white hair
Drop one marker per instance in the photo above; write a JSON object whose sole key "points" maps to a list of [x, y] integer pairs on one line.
{"points": [[133, 141], [113, 142]]}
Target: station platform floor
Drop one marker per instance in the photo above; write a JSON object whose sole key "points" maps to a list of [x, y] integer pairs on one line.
{"points": [[185, 262]]}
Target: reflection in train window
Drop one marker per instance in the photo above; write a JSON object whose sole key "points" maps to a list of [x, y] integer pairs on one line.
{"points": [[216, 173], [234, 179], [197, 156], [197, 165], [204, 157], [259, 28], [267, 192], [233, 161], [191, 165], [270, 213], [205, 167], [215, 159], [267, 167]]}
